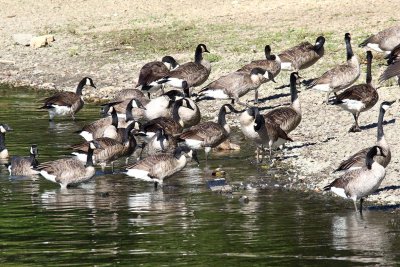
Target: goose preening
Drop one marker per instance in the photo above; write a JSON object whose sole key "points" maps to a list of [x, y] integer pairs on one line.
{"points": [[162, 105], [110, 150], [271, 63], [358, 98], [235, 85], [339, 77], [302, 55], [190, 74], [161, 142], [383, 41], [69, 170], [356, 184], [153, 71], [357, 160], [188, 112], [262, 130], [208, 134], [157, 167], [288, 118], [3, 149], [24, 166], [393, 69], [66, 103]]}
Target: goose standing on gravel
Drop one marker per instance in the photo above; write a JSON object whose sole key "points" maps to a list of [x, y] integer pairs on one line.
{"points": [[208, 134], [157, 167], [235, 85], [288, 118], [66, 103], [69, 170], [302, 55], [153, 71], [383, 41], [271, 63], [3, 149], [262, 130], [24, 166], [357, 160], [356, 184], [393, 69], [339, 77], [190, 74], [358, 98]]}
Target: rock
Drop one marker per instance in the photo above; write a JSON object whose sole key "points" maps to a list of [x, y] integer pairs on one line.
{"points": [[227, 145], [42, 41], [22, 38]]}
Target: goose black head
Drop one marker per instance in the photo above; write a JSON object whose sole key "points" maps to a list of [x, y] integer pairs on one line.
{"points": [[228, 109], [259, 120], [319, 42], [347, 36], [5, 128], [88, 81], [184, 102], [170, 62], [108, 107], [202, 48], [34, 150], [94, 144], [385, 105], [294, 76], [135, 103], [174, 94]]}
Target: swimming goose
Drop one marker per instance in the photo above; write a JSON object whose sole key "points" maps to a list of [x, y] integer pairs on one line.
{"points": [[339, 77], [288, 118], [383, 41], [356, 184], [393, 69], [358, 98], [151, 72], [157, 167], [3, 150], [235, 85], [190, 74], [208, 134], [24, 166], [69, 170], [271, 63], [66, 103], [302, 55], [110, 150], [357, 160]]}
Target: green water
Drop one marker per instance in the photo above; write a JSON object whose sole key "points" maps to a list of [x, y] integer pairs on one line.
{"points": [[117, 220]]}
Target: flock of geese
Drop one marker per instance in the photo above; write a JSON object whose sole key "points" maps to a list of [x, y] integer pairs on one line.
{"points": [[171, 131]]}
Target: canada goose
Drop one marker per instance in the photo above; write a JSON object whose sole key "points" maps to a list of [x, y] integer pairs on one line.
{"points": [[271, 63], [190, 74], [302, 55], [126, 94], [157, 167], [162, 106], [69, 170], [339, 77], [357, 160], [288, 118], [358, 98], [393, 69], [188, 112], [3, 150], [383, 41], [110, 150], [208, 134], [161, 142], [356, 184], [24, 166], [235, 85], [151, 72], [262, 130], [66, 103], [98, 128], [127, 110]]}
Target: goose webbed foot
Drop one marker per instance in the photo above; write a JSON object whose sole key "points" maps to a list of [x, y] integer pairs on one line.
{"points": [[355, 129], [361, 203]]}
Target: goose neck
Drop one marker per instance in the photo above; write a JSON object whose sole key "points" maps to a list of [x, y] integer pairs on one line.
{"points": [[369, 75], [89, 159], [349, 50], [2, 141], [79, 89], [380, 133]]}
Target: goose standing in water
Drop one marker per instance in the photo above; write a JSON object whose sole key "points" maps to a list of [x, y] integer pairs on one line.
{"points": [[359, 183], [288, 118], [24, 166], [235, 85], [357, 160], [157, 167], [339, 77], [3, 149], [358, 98], [190, 74], [208, 134], [66, 103], [69, 170], [151, 72], [302, 55]]}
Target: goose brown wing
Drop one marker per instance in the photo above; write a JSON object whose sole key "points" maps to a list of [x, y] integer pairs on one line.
{"points": [[391, 71], [291, 54], [169, 125], [63, 168], [356, 160], [151, 72], [62, 99], [192, 72], [103, 141], [148, 163]]}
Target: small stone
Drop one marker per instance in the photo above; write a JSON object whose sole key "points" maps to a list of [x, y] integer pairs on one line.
{"points": [[22, 38], [41, 41]]}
